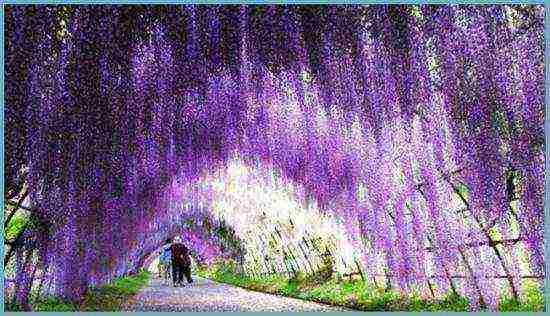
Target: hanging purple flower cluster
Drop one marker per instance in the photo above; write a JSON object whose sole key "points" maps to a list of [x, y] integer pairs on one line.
{"points": [[113, 112]]}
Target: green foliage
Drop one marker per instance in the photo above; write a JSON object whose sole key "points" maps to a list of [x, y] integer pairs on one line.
{"points": [[494, 233], [450, 302], [512, 305], [453, 302], [534, 296], [382, 302], [222, 230], [130, 285], [227, 233], [290, 289], [203, 270], [327, 292], [532, 300], [111, 296], [15, 226], [189, 222], [13, 307], [463, 191], [54, 304], [418, 304]]}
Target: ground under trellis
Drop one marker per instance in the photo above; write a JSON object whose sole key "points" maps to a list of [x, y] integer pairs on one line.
{"points": [[114, 113]]}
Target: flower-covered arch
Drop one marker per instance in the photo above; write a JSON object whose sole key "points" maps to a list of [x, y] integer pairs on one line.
{"points": [[376, 113]]}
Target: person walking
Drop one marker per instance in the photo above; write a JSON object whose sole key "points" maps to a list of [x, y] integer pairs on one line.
{"points": [[164, 260], [181, 263]]}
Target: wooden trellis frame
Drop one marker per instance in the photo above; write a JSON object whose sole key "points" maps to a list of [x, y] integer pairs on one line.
{"points": [[312, 244]]}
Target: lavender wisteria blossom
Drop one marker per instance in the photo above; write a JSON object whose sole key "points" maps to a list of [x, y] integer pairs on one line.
{"points": [[379, 114]]}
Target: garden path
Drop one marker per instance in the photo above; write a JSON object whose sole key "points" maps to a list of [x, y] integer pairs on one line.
{"points": [[208, 296]]}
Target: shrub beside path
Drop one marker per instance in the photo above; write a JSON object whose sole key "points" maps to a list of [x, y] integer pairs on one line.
{"points": [[208, 296]]}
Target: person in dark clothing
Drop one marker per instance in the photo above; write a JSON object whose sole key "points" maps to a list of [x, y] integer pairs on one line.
{"points": [[181, 263]]}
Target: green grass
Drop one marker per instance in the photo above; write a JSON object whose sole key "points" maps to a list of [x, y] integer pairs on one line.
{"points": [[532, 300], [108, 297], [360, 295], [54, 304]]}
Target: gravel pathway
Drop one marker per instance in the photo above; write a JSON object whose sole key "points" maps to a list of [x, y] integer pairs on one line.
{"points": [[208, 296]]}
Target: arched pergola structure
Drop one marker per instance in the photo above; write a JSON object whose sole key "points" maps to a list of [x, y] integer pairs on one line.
{"points": [[376, 113]]}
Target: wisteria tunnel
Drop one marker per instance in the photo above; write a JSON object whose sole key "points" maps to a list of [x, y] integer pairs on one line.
{"points": [[404, 142]]}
